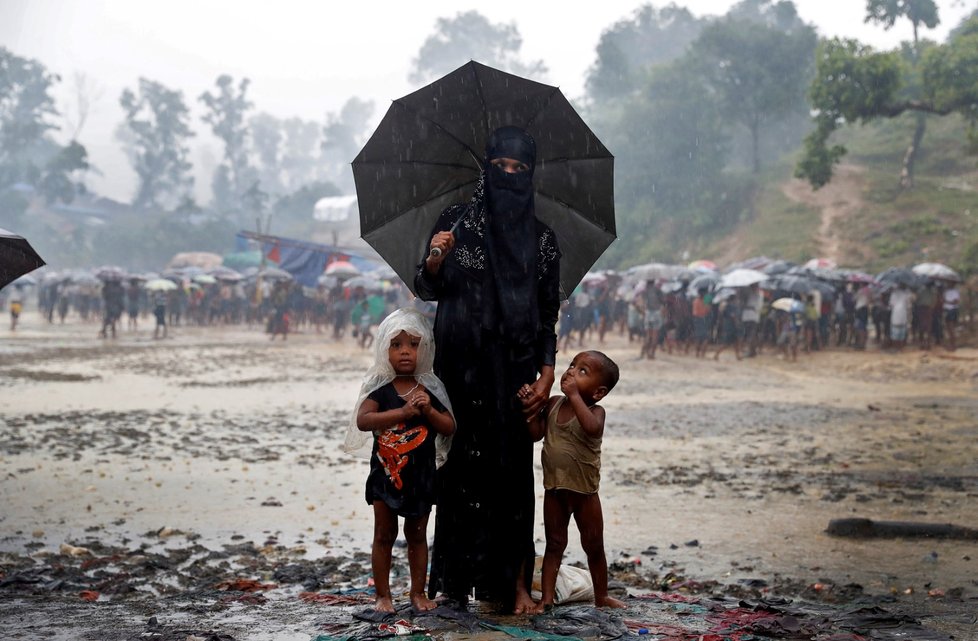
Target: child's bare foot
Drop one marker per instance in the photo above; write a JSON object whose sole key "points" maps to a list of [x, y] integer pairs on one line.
{"points": [[609, 602], [384, 604], [422, 603], [543, 606], [524, 603]]}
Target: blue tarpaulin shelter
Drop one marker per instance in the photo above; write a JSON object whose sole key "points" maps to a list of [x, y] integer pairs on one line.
{"points": [[305, 260]]}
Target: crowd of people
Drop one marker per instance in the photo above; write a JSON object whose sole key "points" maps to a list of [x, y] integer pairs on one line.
{"points": [[676, 318], [280, 306], [672, 315]]}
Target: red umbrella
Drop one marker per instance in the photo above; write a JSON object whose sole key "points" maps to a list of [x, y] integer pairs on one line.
{"points": [[342, 269]]}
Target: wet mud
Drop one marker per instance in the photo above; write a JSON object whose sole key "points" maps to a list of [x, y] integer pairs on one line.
{"points": [[193, 488]]}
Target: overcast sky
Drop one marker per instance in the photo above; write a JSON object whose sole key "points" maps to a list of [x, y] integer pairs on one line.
{"points": [[307, 58]]}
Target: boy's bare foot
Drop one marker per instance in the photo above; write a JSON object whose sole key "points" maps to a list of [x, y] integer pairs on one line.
{"points": [[524, 603], [609, 602], [384, 604], [422, 603]]}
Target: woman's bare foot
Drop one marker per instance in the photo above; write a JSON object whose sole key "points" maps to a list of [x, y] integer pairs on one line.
{"points": [[609, 602], [542, 607], [524, 603], [422, 603], [384, 604]]}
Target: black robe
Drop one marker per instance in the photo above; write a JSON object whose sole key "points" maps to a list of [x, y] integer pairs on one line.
{"points": [[484, 520]]}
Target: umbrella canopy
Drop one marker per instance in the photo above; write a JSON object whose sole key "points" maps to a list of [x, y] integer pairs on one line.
{"points": [[110, 272], [327, 281], [788, 305], [900, 276], [791, 283], [704, 281], [273, 273], [703, 266], [742, 278], [854, 276], [655, 271], [226, 274], [17, 257], [160, 284], [342, 269], [821, 263], [427, 154], [778, 267], [369, 284], [800, 284], [204, 279], [936, 270]]}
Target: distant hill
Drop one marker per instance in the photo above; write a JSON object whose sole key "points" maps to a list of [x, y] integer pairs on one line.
{"points": [[862, 218]]}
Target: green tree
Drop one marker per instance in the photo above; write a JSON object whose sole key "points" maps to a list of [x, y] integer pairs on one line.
{"points": [[853, 83], [949, 78], [155, 134], [758, 73], [649, 37], [918, 12], [227, 110], [470, 36]]}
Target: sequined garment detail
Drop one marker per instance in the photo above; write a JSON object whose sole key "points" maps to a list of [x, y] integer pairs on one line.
{"points": [[473, 256]]}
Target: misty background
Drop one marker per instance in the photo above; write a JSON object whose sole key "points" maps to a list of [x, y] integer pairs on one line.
{"points": [[129, 132]]}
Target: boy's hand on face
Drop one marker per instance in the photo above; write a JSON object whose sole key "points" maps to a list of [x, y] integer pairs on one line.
{"points": [[568, 385]]}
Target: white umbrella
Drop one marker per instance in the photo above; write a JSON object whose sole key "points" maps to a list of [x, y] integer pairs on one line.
{"points": [[204, 279], [742, 278], [788, 305], [274, 273], [160, 284], [936, 270], [655, 271]]}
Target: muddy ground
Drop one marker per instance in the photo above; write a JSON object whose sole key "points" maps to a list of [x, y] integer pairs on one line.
{"points": [[168, 489]]}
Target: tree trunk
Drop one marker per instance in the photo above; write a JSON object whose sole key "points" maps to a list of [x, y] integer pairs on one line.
{"points": [[906, 173]]}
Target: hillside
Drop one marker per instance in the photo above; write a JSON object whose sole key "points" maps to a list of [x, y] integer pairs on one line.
{"points": [[862, 219]]}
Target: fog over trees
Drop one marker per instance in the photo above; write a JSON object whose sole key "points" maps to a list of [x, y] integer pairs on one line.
{"points": [[695, 109]]}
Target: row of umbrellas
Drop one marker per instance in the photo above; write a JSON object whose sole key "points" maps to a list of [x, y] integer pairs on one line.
{"points": [[403, 185]]}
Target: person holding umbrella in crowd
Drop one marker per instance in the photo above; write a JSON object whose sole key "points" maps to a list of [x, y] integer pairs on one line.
{"points": [[497, 287], [468, 158]]}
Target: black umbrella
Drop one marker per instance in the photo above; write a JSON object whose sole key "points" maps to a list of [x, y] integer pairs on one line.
{"points": [[17, 257], [427, 153], [778, 267], [901, 276], [798, 284]]}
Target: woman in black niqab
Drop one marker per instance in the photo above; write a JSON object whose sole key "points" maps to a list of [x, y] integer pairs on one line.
{"points": [[497, 287]]}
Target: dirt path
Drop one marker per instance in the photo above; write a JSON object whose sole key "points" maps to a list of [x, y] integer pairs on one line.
{"points": [[836, 200]]}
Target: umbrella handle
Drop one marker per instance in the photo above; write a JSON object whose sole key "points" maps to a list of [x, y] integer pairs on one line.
{"points": [[436, 251]]}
